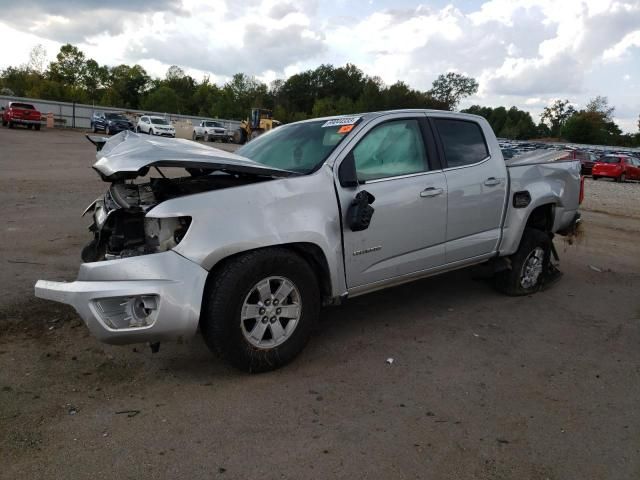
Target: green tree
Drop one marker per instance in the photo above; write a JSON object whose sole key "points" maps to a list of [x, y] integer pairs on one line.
{"points": [[163, 99], [69, 66], [556, 114], [452, 87], [127, 85]]}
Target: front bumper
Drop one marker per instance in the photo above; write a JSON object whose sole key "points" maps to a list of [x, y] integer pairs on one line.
{"points": [[165, 134], [176, 283]]}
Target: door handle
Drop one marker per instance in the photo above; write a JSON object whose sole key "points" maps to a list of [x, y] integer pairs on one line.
{"points": [[431, 192], [492, 181]]}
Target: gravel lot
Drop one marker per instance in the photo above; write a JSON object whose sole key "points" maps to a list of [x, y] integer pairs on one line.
{"points": [[607, 196], [483, 386]]}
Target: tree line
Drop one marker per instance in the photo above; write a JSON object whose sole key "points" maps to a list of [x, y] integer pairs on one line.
{"points": [[325, 90]]}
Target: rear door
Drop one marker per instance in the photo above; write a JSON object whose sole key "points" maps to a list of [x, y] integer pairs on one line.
{"points": [[477, 189], [407, 230]]}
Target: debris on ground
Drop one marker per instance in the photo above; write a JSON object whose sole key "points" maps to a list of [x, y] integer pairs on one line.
{"points": [[390, 361], [129, 413], [595, 269]]}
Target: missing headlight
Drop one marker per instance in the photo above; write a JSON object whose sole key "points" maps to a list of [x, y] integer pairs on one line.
{"points": [[162, 234]]}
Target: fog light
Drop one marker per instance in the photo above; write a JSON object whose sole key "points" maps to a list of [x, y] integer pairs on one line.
{"points": [[127, 312]]}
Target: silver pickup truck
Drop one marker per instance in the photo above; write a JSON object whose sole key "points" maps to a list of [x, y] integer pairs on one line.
{"points": [[247, 247]]}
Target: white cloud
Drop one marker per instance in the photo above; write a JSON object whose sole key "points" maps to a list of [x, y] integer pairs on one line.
{"points": [[523, 52]]}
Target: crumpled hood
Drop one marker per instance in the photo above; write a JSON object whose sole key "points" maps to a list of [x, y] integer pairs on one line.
{"points": [[125, 156]]}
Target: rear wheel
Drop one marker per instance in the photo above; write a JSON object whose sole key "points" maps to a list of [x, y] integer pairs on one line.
{"points": [[528, 265], [260, 310], [37, 126], [622, 178]]}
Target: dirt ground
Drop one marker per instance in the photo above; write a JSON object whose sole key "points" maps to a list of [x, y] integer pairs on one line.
{"points": [[482, 386]]}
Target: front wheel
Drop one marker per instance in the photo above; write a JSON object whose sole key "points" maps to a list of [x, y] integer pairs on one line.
{"points": [[528, 265], [622, 178], [259, 312]]}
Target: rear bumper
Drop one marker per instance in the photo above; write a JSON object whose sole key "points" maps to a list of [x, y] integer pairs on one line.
{"points": [[23, 121], [570, 223], [176, 284]]}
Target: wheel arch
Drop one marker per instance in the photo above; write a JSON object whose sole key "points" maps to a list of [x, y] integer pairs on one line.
{"points": [[310, 252], [542, 217]]}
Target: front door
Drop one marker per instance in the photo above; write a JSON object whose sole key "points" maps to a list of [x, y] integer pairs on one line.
{"points": [[407, 231]]}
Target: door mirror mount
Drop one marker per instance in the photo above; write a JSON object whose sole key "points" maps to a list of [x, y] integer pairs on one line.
{"points": [[347, 174]]}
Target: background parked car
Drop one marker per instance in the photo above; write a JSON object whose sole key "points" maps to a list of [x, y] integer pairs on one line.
{"points": [[18, 113], [155, 126], [210, 130], [110, 123], [587, 160], [618, 167]]}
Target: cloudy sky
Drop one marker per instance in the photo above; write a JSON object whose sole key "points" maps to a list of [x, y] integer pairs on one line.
{"points": [[522, 52]]}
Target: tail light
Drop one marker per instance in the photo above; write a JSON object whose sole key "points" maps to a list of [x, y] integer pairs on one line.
{"points": [[581, 197]]}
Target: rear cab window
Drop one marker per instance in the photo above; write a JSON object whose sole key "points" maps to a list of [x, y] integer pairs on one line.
{"points": [[462, 140], [609, 160], [24, 106]]}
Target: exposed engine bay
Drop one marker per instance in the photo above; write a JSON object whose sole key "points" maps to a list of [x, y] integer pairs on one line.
{"points": [[120, 227]]}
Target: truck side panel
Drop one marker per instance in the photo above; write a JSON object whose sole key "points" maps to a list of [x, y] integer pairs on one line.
{"points": [[555, 183]]}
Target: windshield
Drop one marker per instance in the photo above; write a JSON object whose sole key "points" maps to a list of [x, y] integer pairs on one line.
{"points": [[25, 106], [213, 124], [115, 116], [299, 147], [609, 160], [159, 121]]}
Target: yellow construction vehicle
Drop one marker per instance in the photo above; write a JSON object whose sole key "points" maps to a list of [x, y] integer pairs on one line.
{"points": [[260, 121]]}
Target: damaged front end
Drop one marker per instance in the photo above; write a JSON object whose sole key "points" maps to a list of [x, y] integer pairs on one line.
{"points": [[122, 292], [120, 226]]}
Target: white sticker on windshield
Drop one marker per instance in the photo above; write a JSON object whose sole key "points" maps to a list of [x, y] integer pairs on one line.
{"points": [[338, 122]]}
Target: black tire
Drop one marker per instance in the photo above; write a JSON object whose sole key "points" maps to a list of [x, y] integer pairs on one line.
{"points": [[138, 130], [220, 319], [4, 124], [37, 127], [595, 177], [510, 281], [622, 178], [10, 124]]}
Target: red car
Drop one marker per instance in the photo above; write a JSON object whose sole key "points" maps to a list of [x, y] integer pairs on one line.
{"points": [[618, 167], [18, 113]]}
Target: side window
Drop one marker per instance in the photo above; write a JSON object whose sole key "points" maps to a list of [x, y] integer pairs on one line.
{"points": [[463, 142], [389, 150]]}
